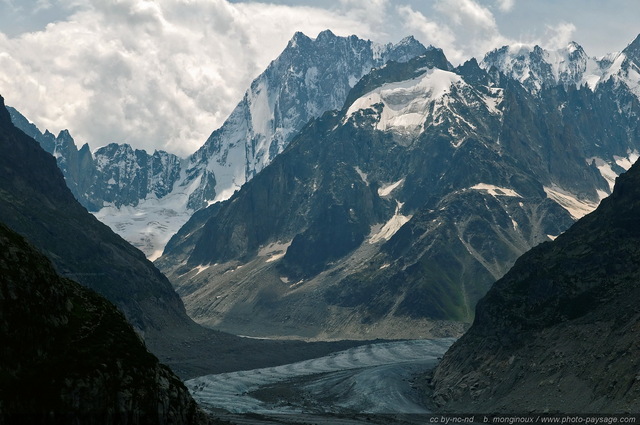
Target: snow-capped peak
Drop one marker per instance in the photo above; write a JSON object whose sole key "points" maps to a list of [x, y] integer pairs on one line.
{"points": [[535, 67], [405, 104]]}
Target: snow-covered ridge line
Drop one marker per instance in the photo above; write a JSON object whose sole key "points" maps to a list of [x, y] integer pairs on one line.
{"points": [[406, 103], [536, 68]]}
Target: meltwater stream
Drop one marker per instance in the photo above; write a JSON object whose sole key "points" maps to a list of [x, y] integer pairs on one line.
{"points": [[367, 379]]}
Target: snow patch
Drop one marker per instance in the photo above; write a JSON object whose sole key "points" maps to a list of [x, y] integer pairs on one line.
{"points": [[627, 162], [362, 175], [274, 251], [200, 269], [605, 170], [494, 100], [391, 227], [386, 190], [261, 109], [576, 207], [496, 190]]}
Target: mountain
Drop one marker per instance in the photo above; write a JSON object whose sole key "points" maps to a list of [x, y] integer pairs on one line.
{"points": [[146, 198], [310, 77], [536, 68], [118, 180], [558, 333], [69, 356], [393, 216], [36, 203]]}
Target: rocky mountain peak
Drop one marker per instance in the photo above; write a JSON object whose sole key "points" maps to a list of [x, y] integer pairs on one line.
{"points": [[632, 51], [309, 78], [326, 36], [537, 68], [5, 117], [65, 135], [299, 39]]}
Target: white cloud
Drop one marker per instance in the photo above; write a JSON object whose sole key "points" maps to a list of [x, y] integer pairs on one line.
{"points": [[464, 12], [559, 36], [165, 73], [156, 74], [505, 5], [474, 25]]}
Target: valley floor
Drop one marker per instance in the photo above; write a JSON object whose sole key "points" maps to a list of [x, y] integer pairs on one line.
{"points": [[367, 384]]}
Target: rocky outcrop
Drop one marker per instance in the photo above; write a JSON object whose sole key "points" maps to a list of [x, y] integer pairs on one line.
{"points": [[559, 332], [69, 356]]}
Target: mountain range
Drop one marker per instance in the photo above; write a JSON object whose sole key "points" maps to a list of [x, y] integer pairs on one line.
{"points": [[393, 216], [365, 191], [391, 213], [146, 197]]}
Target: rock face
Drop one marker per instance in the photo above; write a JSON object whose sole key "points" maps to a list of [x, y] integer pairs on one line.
{"points": [[113, 175], [559, 332], [146, 198], [394, 215], [69, 355], [536, 68]]}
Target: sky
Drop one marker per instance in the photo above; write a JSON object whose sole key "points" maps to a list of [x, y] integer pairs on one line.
{"points": [[163, 74]]}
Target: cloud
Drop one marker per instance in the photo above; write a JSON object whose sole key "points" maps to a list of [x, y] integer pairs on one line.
{"points": [[559, 36], [463, 12], [156, 74], [165, 73], [505, 5], [474, 26]]}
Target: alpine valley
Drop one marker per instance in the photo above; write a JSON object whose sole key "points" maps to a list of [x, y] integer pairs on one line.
{"points": [[357, 191]]}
